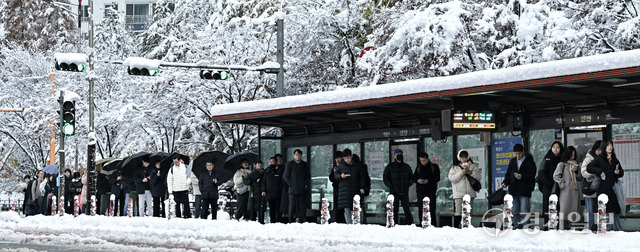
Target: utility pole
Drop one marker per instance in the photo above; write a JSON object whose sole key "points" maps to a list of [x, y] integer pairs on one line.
{"points": [[61, 152], [280, 57], [91, 148]]}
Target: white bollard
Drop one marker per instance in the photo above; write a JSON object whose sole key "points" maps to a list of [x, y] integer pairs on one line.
{"points": [[130, 208], [172, 207], [506, 212], [390, 220], [14, 205], [426, 213], [112, 205], [61, 206], [356, 211], [92, 208], [76, 206], [54, 206], [602, 213], [553, 212], [324, 212], [465, 222]]}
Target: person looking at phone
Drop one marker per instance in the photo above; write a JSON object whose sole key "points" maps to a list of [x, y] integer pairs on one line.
{"points": [[350, 183], [521, 179]]}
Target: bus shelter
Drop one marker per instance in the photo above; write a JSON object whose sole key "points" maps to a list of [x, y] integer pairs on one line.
{"points": [[576, 101]]}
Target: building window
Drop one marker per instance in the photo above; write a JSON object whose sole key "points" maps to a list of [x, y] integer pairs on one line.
{"points": [[85, 13], [137, 16], [110, 10]]}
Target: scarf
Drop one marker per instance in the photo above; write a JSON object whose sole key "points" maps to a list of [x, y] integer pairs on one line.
{"points": [[574, 181]]}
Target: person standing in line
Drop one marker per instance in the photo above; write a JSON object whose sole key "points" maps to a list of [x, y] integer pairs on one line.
{"points": [[338, 214], [208, 185], [351, 183], [521, 180], [460, 183], [607, 167], [568, 177], [298, 176], [158, 191], [242, 189], [590, 201], [426, 177], [545, 177], [399, 177], [272, 189], [255, 179], [197, 195], [37, 195], [178, 186], [141, 177]]}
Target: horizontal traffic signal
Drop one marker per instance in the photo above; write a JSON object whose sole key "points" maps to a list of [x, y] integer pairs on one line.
{"points": [[74, 62], [214, 75]]}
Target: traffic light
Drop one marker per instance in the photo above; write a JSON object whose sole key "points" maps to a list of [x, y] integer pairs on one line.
{"points": [[69, 118], [214, 75], [142, 66], [142, 71], [75, 62]]}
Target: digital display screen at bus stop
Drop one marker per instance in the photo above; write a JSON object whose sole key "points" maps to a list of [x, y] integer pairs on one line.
{"points": [[474, 120]]}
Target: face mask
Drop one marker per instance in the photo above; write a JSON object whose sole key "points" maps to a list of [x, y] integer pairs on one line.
{"points": [[399, 157]]}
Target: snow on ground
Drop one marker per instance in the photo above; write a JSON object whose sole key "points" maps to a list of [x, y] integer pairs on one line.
{"points": [[156, 234]]}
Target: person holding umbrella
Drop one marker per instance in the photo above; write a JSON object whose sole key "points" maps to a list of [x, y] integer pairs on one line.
{"points": [[141, 178], [208, 184], [242, 189], [158, 190], [298, 176], [178, 186]]}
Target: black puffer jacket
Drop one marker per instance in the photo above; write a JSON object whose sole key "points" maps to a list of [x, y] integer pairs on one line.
{"points": [[601, 164], [545, 175], [398, 177], [350, 185], [430, 172], [273, 181]]}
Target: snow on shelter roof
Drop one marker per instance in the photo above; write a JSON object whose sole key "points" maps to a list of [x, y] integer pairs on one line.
{"points": [[590, 64]]}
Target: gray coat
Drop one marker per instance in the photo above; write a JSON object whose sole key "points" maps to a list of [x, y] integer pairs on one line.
{"points": [[569, 198]]}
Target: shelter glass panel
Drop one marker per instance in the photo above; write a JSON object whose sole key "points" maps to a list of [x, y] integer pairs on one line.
{"points": [[440, 154], [539, 144], [268, 149], [479, 155]]}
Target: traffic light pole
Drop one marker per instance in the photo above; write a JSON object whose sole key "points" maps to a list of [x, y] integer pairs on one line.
{"points": [[61, 151], [91, 148]]}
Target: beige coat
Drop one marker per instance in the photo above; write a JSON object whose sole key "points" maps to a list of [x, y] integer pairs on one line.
{"points": [[459, 181], [85, 189], [569, 198]]}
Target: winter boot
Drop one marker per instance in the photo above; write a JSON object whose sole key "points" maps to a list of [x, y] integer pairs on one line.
{"points": [[456, 221]]}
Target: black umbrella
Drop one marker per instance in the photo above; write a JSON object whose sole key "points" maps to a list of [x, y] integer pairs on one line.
{"points": [[167, 163], [111, 165], [133, 162], [158, 157], [217, 157], [233, 162]]}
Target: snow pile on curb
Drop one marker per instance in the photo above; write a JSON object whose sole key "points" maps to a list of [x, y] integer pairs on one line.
{"points": [[144, 233]]}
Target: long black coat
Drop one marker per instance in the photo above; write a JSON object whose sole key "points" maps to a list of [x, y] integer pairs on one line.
{"points": [[208, 189], [547, 167], [599, 165], [430, 172], [272, 185], [158, 183], [75, 188], [398, 177], [351, 185], [118, 186], [524, 186], [297, 176]]}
